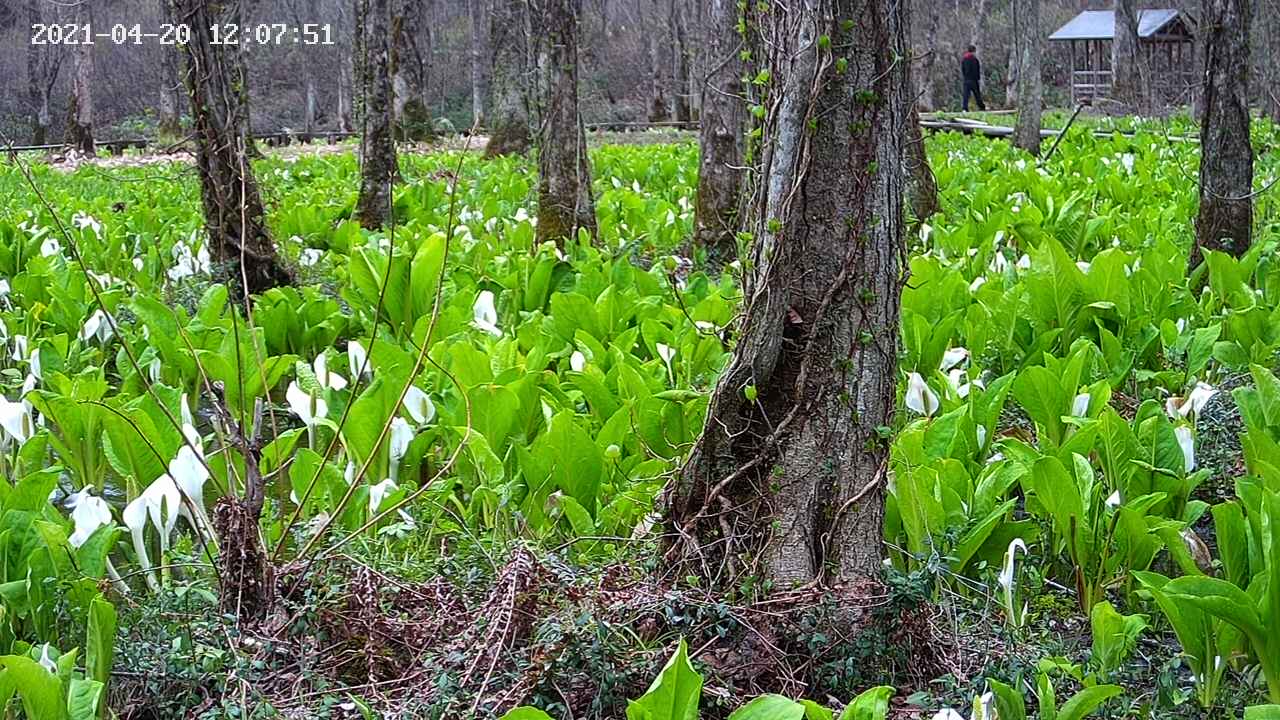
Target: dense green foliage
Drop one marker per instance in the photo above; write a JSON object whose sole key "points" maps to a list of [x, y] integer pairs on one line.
{"points": [[450, 382]]}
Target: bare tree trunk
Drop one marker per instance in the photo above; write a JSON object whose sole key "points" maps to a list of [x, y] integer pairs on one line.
{"points": [[928, 56], [790, 469], [400, 94], [509, 37], [42, 73], [345, 123], [378, 166], [1225, 221], [724, 116], [922, 186], [80, 115], [167, 113], [979, 23], [1126, 57], [233, 212], [1027, 41], [479, 10], [1269, 13], [658, 110], [680, 62], [565, 200], [309, 111]]}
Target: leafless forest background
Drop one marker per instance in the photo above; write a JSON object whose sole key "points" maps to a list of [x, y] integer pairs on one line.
{"points": [[641, 61]]}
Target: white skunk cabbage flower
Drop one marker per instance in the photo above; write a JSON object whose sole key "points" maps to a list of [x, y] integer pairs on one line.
{"points": [[87, 222], [982, 707], [97, 326], [486, 314], [160, 503], [1008, 580], [310, 256], [667, 353], [1194, 402], [47, 662], [402, 434], [326, 377], [1080, 405], [379, 492], [419, 406], [357, 356], [1186, 441], [15, 418], [1113, 500], [978, 282], [953, 357], [50, 247], [947, 714], [188, 471], [577, 361], [919, 398], [310, 410], [88, 513]]}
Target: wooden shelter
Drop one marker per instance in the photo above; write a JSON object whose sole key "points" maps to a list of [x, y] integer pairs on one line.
{"points": [[1165, 37]]}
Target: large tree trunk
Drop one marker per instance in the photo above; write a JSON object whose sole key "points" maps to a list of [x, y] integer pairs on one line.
{"points": [[922, 186], [724, 115], [509, 112], [1269, 13], [378, 166], [565, 200], [1225, 221], [658, 110], [1127, 74], [42, 73], [789, 472], [167, 113], [80, 115], [928, 56], [234, 216], [479, 10], [680, 62], [1027, 41]]}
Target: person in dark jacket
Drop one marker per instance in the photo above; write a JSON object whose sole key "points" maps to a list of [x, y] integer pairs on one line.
{"points": [[971, 69]]}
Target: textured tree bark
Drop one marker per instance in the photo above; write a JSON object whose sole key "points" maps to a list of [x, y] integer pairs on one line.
{"points": [[1269, 14], [922, 186], [1127, 73], [928, 56], [1225, 221], [479, 12], [309, 111], [724, 116], [1027, 41], [167, 113], [565, 200], [658, 110], [378, 167], [42, 73], [80, 114], [509, 112], [680, 62], [234, 216], [787, 479]]}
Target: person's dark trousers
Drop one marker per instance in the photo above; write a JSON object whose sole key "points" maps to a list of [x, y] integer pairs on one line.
{"points": [[976, 93]]}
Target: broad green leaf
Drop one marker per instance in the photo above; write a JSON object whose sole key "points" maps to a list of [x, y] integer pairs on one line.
{"points": [[770, 707], [1083, 703], [872, 704], [674, 694]]}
